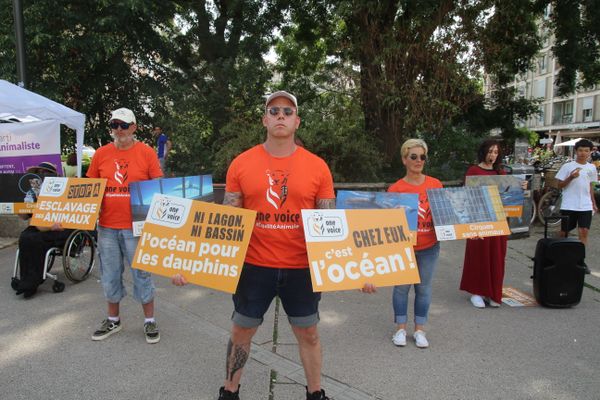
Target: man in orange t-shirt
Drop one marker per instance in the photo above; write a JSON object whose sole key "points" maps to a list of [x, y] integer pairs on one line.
{"points": [[123, 161], [277, 179]]}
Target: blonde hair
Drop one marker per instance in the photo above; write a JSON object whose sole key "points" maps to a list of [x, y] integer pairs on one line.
{"points": [[409, 144]]}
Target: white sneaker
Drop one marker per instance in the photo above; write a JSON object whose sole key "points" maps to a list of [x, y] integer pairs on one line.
{"points": [[491, 303], [420, 339], [399, 338], [477, 301]]}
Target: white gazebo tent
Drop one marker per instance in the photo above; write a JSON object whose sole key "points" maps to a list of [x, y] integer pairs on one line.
{"points": [[568, 146], [19, 103]]}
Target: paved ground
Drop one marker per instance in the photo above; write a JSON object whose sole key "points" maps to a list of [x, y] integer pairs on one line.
{"points": [[505, 353]]}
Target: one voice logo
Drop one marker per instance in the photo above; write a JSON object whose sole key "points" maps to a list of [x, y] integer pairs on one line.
{"points": [[169, 211], [321, 226], [53, 187]]}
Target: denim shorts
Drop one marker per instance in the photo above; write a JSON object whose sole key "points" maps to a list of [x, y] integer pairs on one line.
{"points": [[259, 285], [116, 247]]}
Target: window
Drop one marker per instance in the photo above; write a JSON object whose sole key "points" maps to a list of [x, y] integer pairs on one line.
{"points": [[588, 109], [547, 11], [542, 64], [568, 107], [545, 36], [539, 88], [541, 115], [563, 112]]}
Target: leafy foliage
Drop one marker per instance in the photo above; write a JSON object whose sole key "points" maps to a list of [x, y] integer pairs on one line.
{"points": [[93, 56], [419, 61], [577, 46], [369, 74]]}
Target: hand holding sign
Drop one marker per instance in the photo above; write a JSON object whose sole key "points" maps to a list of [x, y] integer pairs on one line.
{"points": [[369, 288], [179, 280]]}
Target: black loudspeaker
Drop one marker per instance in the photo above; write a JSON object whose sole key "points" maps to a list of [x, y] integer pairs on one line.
{"points": [[558, 272]]}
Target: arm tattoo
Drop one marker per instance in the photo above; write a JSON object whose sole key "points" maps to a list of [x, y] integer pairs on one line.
{"points": [[235, 361], [325, 203], [232, 199]]}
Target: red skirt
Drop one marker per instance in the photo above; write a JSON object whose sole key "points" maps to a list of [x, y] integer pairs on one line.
{"points": [[483, 269]]}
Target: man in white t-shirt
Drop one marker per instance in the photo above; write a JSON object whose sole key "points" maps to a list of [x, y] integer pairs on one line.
{"points": [[578, 201]]}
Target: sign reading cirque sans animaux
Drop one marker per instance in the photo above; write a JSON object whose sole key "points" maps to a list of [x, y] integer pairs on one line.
{"points": [[348, 248], [205, 242]]}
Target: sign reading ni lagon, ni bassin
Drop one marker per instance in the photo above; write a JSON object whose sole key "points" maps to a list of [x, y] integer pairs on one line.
{"points": [[348, 248], [74, 203], [204, 242]]}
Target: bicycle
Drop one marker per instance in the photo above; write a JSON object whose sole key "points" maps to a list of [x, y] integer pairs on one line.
{"points": [[549, 207], [547, 197]]}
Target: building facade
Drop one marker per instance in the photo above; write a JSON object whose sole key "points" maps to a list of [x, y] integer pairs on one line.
{"points": [[560, 117]]}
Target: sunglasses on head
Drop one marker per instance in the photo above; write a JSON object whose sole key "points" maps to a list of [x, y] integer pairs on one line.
{"points": [[414, 157], [123, 125], [287, 111]]}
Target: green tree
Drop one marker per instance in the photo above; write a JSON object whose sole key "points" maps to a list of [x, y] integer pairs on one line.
{"points": [[421, 61], [94, 56], [576, 26], [220, 56]]}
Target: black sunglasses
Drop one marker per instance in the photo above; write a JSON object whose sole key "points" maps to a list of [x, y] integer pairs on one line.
{"points": [[123, 125], [415, 156], [287, 111]]}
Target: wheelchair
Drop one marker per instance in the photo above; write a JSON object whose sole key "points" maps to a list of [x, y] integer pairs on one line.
{"points": [[78, 260]]}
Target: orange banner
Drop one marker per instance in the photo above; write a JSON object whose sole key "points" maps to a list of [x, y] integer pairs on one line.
{"points": [[348, 248], [472, 231], [513, 211], [72, 202], [23, 208], [204, 242]]}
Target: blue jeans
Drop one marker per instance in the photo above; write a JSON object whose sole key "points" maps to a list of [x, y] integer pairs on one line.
{"points": [[115, 248], [426, 262]]}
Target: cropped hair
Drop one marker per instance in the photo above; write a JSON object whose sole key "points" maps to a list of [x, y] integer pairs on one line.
{"points": [[483, 151], [409, 144], [584, 143]]}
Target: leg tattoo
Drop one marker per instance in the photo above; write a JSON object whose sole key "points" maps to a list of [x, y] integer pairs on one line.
{"points": [[236, 359]]}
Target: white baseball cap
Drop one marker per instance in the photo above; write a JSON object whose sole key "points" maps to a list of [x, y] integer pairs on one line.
{"points": [[282, 93], [123, 114]]}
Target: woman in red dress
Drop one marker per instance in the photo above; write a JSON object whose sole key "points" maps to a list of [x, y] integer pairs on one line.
{"points": [[483, 268]]}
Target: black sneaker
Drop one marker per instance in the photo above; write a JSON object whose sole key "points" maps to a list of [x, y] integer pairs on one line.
{"points": [[318, 395], [151, 332], [227, 395], [106, 329]]}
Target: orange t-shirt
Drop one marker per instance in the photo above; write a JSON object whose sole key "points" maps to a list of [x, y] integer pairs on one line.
{"points": [[120, 167], [278, 188], [425, 229]]}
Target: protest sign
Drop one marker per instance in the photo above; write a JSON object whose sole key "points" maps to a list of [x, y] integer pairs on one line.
{"points": [[467, 212], [509, 188], [72, 202], [348, 248], [204, 242], [198, 187], [24, 145], [19, 193], [353, 199]]}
